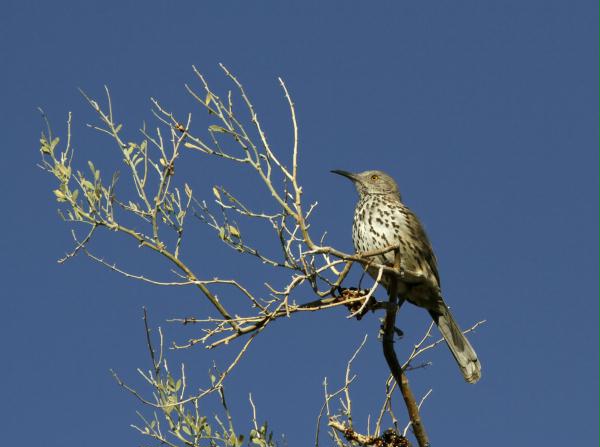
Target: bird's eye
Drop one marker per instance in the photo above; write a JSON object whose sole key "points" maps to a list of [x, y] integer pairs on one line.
{"points": [[374, 177]]}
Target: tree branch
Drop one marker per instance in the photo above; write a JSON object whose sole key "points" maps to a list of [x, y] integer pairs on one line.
{"points": [[392, 360]]}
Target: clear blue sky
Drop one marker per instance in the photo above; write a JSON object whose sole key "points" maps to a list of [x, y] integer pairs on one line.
{"points": [[485, 112]]}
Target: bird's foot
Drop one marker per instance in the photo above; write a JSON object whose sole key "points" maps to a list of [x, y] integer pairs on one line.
{"points": [[397, 332]]}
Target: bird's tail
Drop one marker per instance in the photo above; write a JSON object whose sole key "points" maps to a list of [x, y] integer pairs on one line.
{"points": [[460, 347]]}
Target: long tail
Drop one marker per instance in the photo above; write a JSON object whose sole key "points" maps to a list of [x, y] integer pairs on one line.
{"points": [[460, 347]]}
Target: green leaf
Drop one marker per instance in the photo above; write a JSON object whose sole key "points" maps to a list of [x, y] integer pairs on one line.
{"points": [[129, 149], [46, 148], [216, 193], [87, 184], [189, 419], [215, 128], [234, 231], [171, 383], [62, 172], [60, 196]]}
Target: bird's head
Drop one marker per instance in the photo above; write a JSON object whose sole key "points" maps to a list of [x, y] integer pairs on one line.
{"points": [[371, 182]]}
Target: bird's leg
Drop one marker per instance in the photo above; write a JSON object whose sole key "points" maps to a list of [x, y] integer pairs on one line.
{"points": [[384, 305], [397, 331]]}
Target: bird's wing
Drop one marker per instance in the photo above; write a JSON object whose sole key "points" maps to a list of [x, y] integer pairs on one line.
{"points": [[422, 244]]}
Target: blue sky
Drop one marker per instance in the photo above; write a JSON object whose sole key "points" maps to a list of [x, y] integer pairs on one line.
{"points": [[485, 112]]}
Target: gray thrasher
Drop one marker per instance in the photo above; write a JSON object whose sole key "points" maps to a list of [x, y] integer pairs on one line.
{"points": [[381, 220]]}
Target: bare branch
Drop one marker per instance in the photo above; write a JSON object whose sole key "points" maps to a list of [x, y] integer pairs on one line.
{"points": [[392, 359]]}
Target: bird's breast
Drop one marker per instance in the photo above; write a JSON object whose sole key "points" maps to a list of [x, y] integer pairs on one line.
{"points": [[378, 224]]}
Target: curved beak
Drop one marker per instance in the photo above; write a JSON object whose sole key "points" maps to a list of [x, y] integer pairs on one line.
{"points": [[346, 174]]}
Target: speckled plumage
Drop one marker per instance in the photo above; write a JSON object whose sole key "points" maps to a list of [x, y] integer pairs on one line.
{"points": [[381, 220]]}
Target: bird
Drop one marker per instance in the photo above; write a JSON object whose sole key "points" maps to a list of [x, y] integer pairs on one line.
{"points": [[382, 220]]}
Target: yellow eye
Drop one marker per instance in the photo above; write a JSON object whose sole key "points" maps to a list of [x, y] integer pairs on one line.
{"points": [[374, 177]]}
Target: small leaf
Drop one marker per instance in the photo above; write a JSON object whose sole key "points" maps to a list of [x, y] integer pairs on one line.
{"points": [[60, 196], [62, 172], [129, 149], [54, 143], [215, 128], [46, 149], [188, 190], [234, 231], [208, 98], [216, 193], [189, 419], [87, 184]]}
